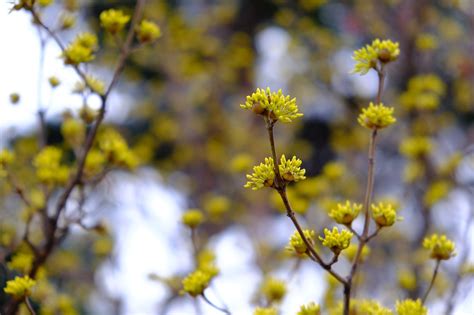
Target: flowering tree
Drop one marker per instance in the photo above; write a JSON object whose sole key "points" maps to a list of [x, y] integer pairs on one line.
{"points": [[363, 200]]}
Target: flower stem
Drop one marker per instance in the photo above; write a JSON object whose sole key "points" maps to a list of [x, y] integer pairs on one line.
{"points": [[222, 309], [433, 278], [29, 306]]}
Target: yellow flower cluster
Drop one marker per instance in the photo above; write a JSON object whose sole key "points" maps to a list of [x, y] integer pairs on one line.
{"points": [[116, 150], [290, 169], [345, 213], [73, 131], [54, 81], [410, 307], [95, 162], [263, 175], [296, 243], [192, 218], [45, 3], [351, 252], [96, 85], [424, 92], [310, 309], [113, 21], [14, 98], [148, 31], [81, 49], [48, 166], [21, 262], [273, 290], [197, 281], [265, 311], [20, 286], [436, 191], [6, 158], [371, 307], [416, 147], [217, 206], [441, 248], [367, 57], [384, 214], [336, 241], [376, 116], [273, 105]]}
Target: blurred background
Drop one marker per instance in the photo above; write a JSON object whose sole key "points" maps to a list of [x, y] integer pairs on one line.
{"points": [[177, 106]]}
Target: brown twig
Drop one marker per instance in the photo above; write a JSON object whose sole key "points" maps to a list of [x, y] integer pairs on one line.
{"points": [[433, 278], [222, 309]]}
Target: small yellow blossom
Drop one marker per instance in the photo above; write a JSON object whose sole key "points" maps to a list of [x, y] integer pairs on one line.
{"points": [[113, 21], [416, 147], [265, 311], [217, 206], [296, 243], [6, 158], [94, 164], [116, 150], [14, 98], [371, 307], [96, 85], [73, 131], [273, 290], [48, 166], [334, 170], [192, 218], [54, 81], [336, 241], [351, 252], [426, 42], [20, 286], [87, 40], [263, 175], [407, 280], [273, 105], [241, 162], [384, 214], [367, 57], [148, 31], [410, 307], [67, 21], [75, 54], [103, 246], [440, 246], [376, 116], [345, 213], [310, 309], [436, 191], [290, 169], [45, 3], [196, 282], [21, 262]]}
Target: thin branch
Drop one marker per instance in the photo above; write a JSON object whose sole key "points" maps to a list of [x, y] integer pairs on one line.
{"points": [[222, 309], [29, 306], [433, 278]]}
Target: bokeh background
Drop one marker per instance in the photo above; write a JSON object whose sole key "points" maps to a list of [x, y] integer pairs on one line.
{"points": [[178, 107]]}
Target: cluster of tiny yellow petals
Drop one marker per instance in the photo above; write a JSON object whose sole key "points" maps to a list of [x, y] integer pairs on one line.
{"points": [[81, 49], [116, 150], [14, 98], [113, 21], [265, 311], [96, 85], [367, 57], [384, 214], [415, 147], [20, 286], [48, 166], [410, 307], [376, 116], [54, 81], [424, 92], [73, 131], [290, 170], [296, 243], [273, 105], [310, 309], [6, 158], [371, 307], [336, 241], [263, 175], [273, 290], [94, 164], [21, 262], [196, 282], [192, 218], [440, 247], [345, 213], [148, 31]]}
